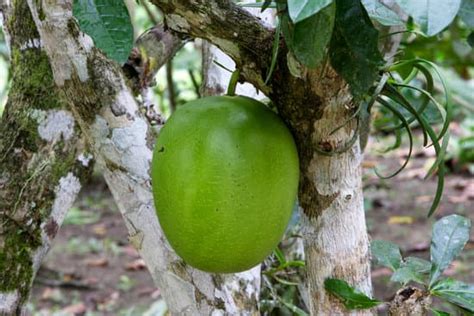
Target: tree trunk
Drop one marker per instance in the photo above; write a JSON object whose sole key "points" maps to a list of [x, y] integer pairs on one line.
{"points": [[121, 141], [43, 161], [313, 103], [330, 193]]}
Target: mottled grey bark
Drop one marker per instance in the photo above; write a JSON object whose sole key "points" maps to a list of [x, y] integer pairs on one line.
{"points": [[330, 193], [121, 141], [43, 161], [410, 301]]}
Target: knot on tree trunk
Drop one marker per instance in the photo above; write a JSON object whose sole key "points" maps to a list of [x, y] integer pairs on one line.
{"points": [[410, 301]]}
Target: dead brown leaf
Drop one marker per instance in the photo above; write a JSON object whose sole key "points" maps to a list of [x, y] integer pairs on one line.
{"points": [[51, 294], [130, 251], [369, 164], [381, 272], [135, 265], [75, 309], [400, 220], [466, 195], [414, 173], [99, 229], [96, 262]]}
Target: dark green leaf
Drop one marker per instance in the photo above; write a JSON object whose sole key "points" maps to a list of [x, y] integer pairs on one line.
{"points": [[437, 312], [309, 39], [108, 23], [467, 12], [412, 269], [350, 297], [450, 234], [354, 47], [386, 254], [303, 9], [432, 15], [405, 124], [455, 292], [266, 4], [379, 12], [470, 39], [280, 256], [275, 48], [396, 96]]}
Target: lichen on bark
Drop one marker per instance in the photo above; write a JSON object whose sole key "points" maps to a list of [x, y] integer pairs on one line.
{"points": [[30, 166]]}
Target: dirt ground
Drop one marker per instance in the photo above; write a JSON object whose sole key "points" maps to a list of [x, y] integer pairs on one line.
{"points": [[93, 270]]}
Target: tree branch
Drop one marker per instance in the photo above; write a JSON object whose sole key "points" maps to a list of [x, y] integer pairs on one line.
{"points": [[242, 36], [152, 50]]}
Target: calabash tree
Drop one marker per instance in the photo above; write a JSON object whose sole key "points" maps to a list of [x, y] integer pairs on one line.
{"points": [[76, 100]]}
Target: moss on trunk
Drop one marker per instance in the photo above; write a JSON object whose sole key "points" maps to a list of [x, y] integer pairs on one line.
{"points": [[30, 167]]}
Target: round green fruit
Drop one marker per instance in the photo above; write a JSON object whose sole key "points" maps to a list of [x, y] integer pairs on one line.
{"points": [[225, 178]]}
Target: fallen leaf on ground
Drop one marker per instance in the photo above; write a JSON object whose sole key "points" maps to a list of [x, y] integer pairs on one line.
{"points": [[99, 229], [381, 272], [415, 173], [109, 301], [460, 185], [399, 220], [452, 269], [50, 294], [424, 198], [466, 195], [130, 251], [152, 292], [91, 281], [75, 309], [136, 265], [97, 262], [421, 246], [368, 164]]}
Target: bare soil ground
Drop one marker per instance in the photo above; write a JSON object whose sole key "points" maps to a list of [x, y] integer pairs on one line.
{"points": [[93, 270]]}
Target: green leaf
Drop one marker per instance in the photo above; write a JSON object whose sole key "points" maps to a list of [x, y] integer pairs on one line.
{"points": [[108, 23], [467, 12], [293, 308], [303, 9], [470, 39], [412, 269], [350, 297], [405, 124], [275, 48], [386, 254], [437, 312], [354, 47], [455, 292], [379, 12], [266, 4], [450, 234], [279, 255], [432, 15], [308, 40]]}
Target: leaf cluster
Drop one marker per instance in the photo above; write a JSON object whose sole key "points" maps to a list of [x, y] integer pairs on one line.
{"points": [[449, 236]]}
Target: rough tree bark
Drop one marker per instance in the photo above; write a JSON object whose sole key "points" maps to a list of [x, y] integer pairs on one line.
{"points": [[120, 140], [330, 193], [43, 161]]}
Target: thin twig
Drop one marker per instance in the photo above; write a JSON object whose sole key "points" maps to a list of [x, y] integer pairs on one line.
{"points": [[195, 83], [170, 84]]}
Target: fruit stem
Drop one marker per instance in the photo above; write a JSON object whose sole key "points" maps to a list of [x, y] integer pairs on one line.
{"points": [[233, 83]]}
